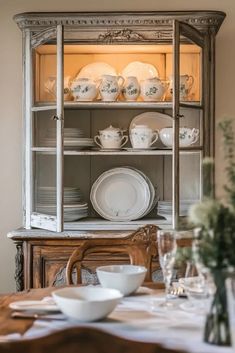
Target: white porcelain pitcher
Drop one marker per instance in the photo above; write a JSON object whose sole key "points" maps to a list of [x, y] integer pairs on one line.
{"points": [[110, 87], [186, 84], [131, 88]]}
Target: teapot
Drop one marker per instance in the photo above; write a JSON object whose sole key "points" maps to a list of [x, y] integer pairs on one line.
{"points": [[111, 138], [110, 87], [152, 89], [84, 89], [187, 136], [142, 136]]}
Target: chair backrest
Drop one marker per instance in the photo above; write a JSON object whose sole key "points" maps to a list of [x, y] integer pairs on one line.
{"points": [[140, 246], [81, 340]]}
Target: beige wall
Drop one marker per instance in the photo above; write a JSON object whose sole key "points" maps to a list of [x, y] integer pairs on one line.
{"points": [[11, 95]]}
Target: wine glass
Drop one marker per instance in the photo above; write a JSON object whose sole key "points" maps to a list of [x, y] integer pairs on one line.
{"points": [[167, 247]]}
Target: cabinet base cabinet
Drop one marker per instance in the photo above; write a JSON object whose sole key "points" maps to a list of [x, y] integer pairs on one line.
{"points": [[41, 262]]}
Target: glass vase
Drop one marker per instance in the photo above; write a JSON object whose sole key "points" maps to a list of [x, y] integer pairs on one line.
{"points": [[217, 327]]}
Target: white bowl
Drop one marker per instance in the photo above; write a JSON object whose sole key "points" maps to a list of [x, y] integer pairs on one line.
{"points": [[126, 278], [86, 303]]}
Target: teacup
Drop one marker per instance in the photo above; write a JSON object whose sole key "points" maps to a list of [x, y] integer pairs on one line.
{"points": [[143, 137], [111, 138], [187, 136]]}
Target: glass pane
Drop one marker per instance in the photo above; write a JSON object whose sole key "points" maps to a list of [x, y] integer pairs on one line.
{"points": [[45, 183], [190, 178], [190, 71], [44, 132], [45, 73], [44, 129]]}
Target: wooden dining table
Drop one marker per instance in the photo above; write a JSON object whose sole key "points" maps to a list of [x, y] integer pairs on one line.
{"points": [[10, 325], [89, 339]]}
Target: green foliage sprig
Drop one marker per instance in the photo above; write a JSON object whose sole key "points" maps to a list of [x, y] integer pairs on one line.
{"points": [[215, 219]]}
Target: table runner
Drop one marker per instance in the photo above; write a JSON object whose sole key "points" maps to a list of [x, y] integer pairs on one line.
{"points": [[135, 319]]}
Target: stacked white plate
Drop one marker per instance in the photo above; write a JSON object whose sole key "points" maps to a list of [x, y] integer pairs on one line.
{"points": [[73, 138], [74, 205], [123, 194], [165, 208]]}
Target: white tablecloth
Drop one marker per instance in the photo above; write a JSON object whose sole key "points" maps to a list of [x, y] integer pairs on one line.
{"points": [[134, 319]]}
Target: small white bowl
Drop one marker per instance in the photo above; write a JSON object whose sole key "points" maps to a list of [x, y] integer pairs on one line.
{"points": [[86, 303], [126, 278]]}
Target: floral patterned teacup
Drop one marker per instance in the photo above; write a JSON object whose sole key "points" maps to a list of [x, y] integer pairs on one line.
{"points": [[187, 136]]}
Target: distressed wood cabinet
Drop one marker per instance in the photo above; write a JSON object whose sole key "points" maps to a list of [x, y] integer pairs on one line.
{"points": [[59, 45]]}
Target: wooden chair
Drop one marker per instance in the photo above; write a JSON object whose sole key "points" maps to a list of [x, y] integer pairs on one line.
{"points": [[140, 246], [81, 340]]}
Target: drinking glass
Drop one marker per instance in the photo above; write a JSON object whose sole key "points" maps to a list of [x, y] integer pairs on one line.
{"points": [[167, 247]]}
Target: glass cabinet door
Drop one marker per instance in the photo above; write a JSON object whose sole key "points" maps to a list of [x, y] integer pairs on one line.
{"points": [[44, 131], [190, 113]]}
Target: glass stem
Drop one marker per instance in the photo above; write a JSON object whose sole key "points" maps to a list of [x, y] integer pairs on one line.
{"points": [[167, 277]]}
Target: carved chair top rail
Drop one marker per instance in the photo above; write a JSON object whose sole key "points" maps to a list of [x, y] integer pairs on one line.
{"points": [[140, 246]]}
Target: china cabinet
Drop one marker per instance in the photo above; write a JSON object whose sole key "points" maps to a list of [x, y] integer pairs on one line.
{"points": [[68, 59]]}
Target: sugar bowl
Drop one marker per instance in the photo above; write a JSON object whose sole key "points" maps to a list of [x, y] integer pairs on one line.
{"points": [[111, 138], [142, 137]]}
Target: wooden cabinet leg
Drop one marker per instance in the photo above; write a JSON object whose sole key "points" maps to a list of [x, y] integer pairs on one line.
{"points": [[19, 267]]}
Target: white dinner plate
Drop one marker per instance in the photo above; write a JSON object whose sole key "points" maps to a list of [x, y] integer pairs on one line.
{"points": [[153, 196], [95, 70], [33, 305], [141, 70], [120, 194], [154, 120]]}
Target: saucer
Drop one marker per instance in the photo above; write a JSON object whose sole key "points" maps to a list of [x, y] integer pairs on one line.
{"points": [[107, 149], [33, 305], [132, 149]]}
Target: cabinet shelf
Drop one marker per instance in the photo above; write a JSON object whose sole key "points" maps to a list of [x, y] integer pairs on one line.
{"points": [[158, 152], [90, 224], [115, 105]]}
